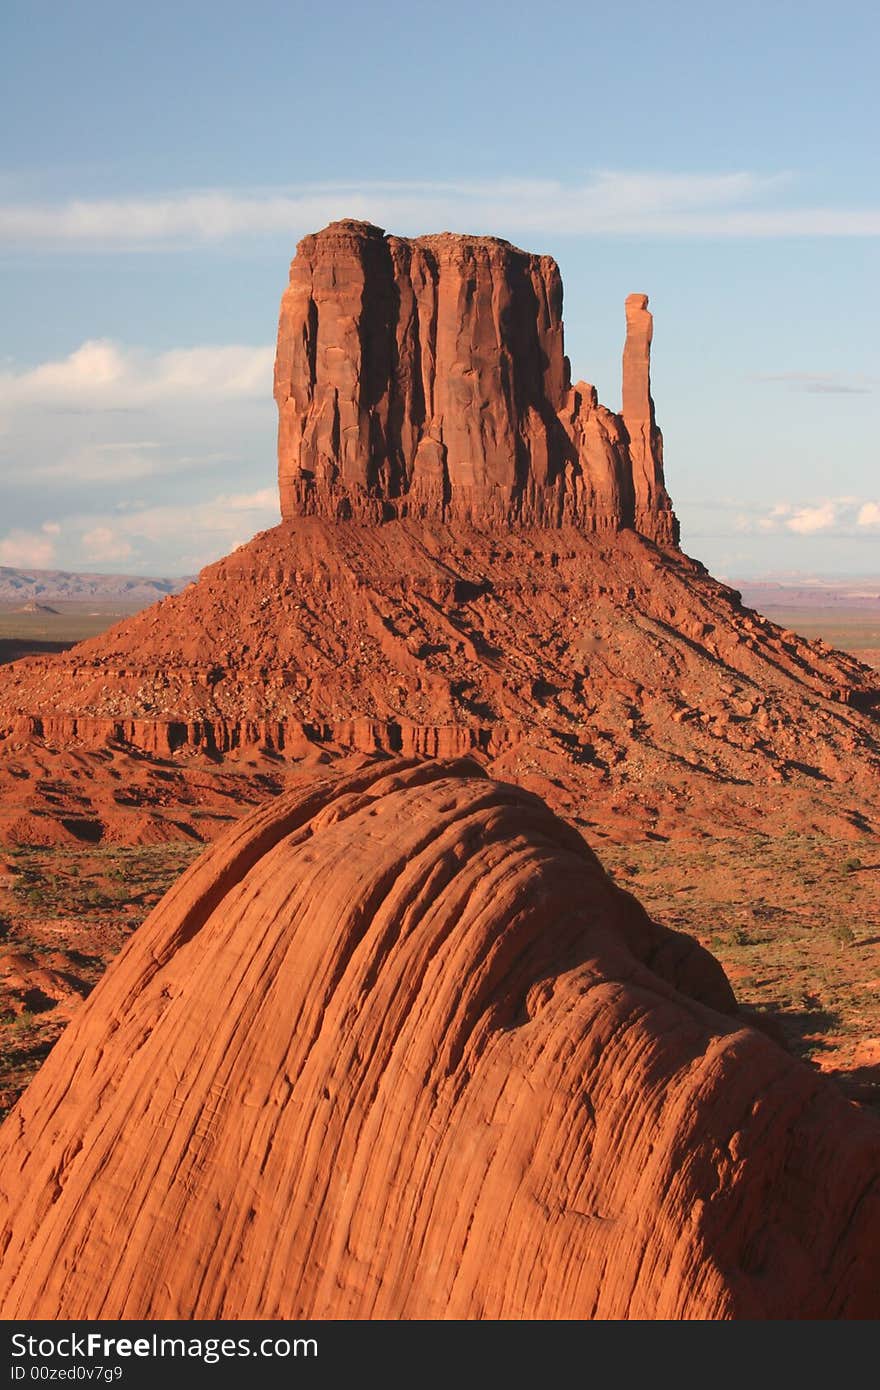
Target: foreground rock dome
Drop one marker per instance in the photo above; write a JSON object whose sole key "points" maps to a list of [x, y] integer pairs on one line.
{"points": [[396, 1047]]}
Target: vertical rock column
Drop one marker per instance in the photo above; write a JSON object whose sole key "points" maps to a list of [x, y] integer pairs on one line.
{"points": [[654, 517], [332, 373]]}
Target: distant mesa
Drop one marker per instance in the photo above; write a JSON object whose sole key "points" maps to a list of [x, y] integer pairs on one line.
{"points": [[396, 1047], [428, 378], [34, 607], [47, 586]]}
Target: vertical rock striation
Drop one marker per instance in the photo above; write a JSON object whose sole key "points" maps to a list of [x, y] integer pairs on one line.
{"points": [[653, 509], [428, 378]]}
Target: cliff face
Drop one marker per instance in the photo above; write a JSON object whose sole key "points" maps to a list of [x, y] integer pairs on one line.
{"points": [[428, 378], [396, 1047]]}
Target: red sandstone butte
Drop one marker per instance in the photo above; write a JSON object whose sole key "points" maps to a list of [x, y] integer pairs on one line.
{"points": [[477, 570], [428, 378], [396, 1047]]}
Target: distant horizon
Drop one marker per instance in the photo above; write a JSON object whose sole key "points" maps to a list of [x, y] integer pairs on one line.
{"points": [[804, 578]]}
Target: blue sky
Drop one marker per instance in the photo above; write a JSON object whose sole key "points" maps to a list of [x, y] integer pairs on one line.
{"points": [[160, 163]]}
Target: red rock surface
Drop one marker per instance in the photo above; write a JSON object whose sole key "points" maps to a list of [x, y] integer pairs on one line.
{"points": [[617, 679], [397, 1048], [652, 505], [428, 378]]}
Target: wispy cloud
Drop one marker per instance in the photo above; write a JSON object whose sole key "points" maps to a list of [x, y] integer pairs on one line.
{"points": [[105, 375], [608, 202], [27, 549], [835, 516], [824, 383], [180, 537], [806, 520], [194, 535], [118, 463], [102, 544], [224, 515]]}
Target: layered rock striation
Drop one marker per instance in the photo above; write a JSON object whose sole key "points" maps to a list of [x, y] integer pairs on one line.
{"points": [[428, 378], [615, 673], [396, 1047]]}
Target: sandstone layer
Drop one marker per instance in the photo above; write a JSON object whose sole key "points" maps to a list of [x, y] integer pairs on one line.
{"points": [[397, 1048], [615, 678], [428, 378]]}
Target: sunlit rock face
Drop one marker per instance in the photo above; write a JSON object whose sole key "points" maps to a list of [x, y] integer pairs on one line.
{"points": [[428, 378]]}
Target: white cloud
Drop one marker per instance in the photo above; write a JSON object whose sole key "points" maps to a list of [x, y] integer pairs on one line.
{"points": [[806, 520], [164, 538], [176, 539], [770, 522], [608, 202], [102, 544], [218, 517], [264, 499], [108, 415], [27, 550], [104, 375], [838, 516]]}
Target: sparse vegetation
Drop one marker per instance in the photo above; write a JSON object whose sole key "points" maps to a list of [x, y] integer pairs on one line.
{"points": [[775, 910], [74, 907], [843, 935]]}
